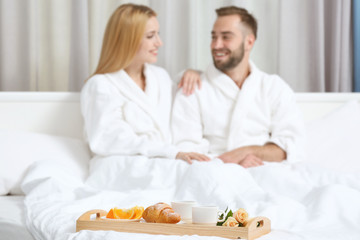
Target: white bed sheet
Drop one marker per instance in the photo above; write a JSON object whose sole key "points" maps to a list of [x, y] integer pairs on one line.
{"points": [[302, 202], [12, 219]]}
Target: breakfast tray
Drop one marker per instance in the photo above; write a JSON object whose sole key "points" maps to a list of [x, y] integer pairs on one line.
{"points": [[255, 228]]}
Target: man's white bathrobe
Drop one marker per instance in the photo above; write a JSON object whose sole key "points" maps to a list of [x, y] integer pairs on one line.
{"points": [[221, 117], [122, 119]]}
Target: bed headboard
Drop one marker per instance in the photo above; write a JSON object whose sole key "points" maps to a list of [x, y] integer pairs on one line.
{"points": [[58, 113], [316, 105]]}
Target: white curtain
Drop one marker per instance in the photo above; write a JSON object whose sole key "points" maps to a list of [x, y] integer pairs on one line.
{"points": [[54, 45]]}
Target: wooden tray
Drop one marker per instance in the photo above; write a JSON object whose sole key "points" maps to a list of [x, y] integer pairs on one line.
{"points": [[255, 228]]}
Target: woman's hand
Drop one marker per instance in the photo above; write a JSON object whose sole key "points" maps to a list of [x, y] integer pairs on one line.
{"points": [[189, 81], [189, 156]]}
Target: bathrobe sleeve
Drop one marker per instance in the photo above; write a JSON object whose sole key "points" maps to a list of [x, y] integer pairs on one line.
{"points": [[107, 129], [186, 124], [287, 125]]}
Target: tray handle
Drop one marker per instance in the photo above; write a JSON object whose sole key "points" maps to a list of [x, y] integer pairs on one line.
{"points": [[258, 222], [86, 216]]}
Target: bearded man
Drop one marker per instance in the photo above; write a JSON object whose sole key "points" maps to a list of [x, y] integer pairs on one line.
{"points": [[241, 114]]}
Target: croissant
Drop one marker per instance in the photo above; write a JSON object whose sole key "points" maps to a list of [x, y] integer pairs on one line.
{"points": [[160, 213]]}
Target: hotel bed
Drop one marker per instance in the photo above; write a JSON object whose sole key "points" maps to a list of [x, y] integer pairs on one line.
{"points": [[41, 149], [12, 218]]}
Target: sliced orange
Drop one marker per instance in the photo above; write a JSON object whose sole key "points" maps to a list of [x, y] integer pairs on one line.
{"points": [[110, 214], [124, 213], [138, 211]]}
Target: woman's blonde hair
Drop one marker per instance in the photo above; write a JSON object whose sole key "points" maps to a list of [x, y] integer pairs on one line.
{"points": [[123, 36]]}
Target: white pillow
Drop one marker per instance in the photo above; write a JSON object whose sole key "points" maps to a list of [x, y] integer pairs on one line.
{"points": [[334, 140], [19, 149]]}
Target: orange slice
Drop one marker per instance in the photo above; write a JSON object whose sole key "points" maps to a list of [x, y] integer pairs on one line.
{"points": [[124, 213], [110, 214], [138, 211]]}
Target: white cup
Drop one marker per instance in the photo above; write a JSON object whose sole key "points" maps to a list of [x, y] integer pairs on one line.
{"points": [[184, 208], [206, 215]]}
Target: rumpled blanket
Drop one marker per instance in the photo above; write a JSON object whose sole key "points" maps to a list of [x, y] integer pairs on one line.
{"points": [[302, 202]]}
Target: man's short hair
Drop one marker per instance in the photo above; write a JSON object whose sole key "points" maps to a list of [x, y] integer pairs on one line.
{"points": [[245, 16]]}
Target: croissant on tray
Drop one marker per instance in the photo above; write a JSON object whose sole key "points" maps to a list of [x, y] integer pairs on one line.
{"points": [[160, 213]]}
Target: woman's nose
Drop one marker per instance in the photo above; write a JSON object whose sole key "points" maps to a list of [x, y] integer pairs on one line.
{"points": [[159, 41]]}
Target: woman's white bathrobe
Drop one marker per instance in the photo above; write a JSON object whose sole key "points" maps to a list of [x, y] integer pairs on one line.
{"points": [[122, 119], [221, 117], [128, 130]]}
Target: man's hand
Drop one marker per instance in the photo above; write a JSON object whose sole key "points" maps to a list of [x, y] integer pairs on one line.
{"points": [[237, 155], [189, 81], [250, 156], [189, 156], [243, 156], [251, 161]]}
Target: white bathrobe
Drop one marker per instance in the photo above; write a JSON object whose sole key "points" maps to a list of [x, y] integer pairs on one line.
{"points": [[122, 119], [221, 117]]}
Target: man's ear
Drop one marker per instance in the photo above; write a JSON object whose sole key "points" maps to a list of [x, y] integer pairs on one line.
{"points": [[249, 41]]}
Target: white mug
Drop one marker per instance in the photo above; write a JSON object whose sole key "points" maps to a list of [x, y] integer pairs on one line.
{"points": [[184, 208], [206, 215]]}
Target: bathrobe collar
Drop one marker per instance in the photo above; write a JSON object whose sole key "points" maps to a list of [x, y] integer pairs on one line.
{"points": [[147, 100], [242, 98], [222, 81]]}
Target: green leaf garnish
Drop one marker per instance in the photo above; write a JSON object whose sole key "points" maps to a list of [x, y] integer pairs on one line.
{"points": [[228, 213]]}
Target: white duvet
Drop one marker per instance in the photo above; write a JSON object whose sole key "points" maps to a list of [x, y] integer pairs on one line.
{"points": [[302, 202]]}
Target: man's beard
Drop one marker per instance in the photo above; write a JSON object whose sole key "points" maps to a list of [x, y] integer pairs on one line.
{"points": [[235, 58]]}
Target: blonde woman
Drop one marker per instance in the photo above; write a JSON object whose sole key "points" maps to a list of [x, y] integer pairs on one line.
{"points": [[126, 103]]}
